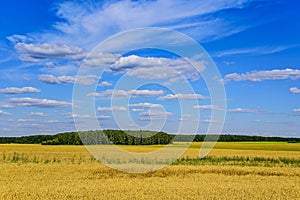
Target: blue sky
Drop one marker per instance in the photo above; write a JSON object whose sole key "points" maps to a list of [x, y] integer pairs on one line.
{"points": [[254, 44]]}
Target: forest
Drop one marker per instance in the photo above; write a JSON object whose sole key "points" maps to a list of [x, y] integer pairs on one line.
{"points": [[130, 137]]}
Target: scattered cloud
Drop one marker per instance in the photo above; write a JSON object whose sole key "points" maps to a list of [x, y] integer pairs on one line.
{"points": [[7, 106], [25, 120], [38, 103], [105, 83], [156, 113], [81, 20], [295, 90], [184, 117], [103, 117], [78, 116], [83, 80], [256, 76], [110, 109], [39, 114], [4, 113], [297, 110], [242, 110], [208, 121], [145, 105], [137, 109], [253, 51], [97, 59], [127, 93], [157, 68], [52, 121], [39, 52], [60, 69], [229, 62], [207, 107], [182, 96], [15, 90]]}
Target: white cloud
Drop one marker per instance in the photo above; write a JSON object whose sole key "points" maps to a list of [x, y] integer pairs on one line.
{"points": [[252, 51], [38, 52], [184, 117], [61, 69], [157, 68], [39, 114], [137, 109], [25, 120], [208, 121], [105, 83], [7, 106], [103, 117], [295, 90], [297, 110], [109, 109], [145, 105], [83, 80], [276, 74], [15, 90], [78, 116], [97, 59], [39, 103], [242, 110], [182, 96], [156, 113], [4, 113], [82, 20], [127, 93], [52, 121], [207, 107], [15, 38]]}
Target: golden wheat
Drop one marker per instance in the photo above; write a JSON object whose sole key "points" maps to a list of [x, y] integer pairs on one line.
{"points": [[69, 172]]}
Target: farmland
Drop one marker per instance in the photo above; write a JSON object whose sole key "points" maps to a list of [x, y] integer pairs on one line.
{"points": [[236, 170]]}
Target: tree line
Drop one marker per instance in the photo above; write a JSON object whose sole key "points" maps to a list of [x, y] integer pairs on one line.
{"points": [[129, 137]]}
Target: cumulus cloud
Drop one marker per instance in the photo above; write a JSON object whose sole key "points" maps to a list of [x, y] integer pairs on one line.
{"points": [[97, 59], [157, 68], [207, 107], [256, 76], [39, 52], [83, 80], [38, 103], [4, 113], [145, 105], [182, 96], [15, 90], [295, 90], [242, 110], [110, 109], [127, 93], [146, 67]]}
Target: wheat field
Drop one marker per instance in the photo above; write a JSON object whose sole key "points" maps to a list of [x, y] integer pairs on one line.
{"points": [[231, 171]]}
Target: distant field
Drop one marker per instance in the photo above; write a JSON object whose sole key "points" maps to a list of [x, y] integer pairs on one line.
{"points": [[235, 170]]}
